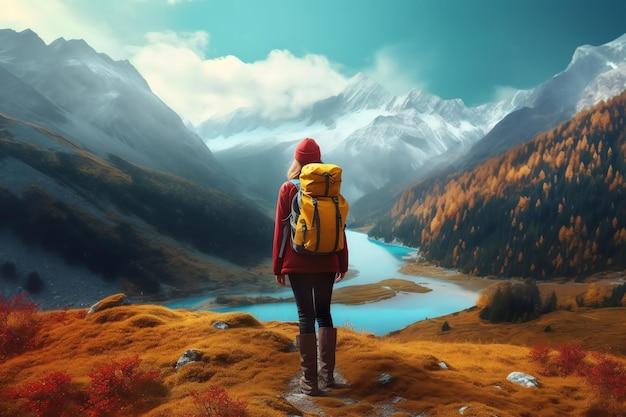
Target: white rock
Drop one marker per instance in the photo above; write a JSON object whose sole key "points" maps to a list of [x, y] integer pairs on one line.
{"points": [[523, 379]]}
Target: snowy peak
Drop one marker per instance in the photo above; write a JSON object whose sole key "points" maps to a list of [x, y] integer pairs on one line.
{"points": [[611, 53], [362, 92], [595, 73], [378, 137], [384, 139]]}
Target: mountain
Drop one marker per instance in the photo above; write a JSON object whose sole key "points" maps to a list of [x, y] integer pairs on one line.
{"points": [[551, 207], [149, 232], [101, 105], [387, 142], [594, 74], [104, 188], [64, 100], [378, 138]]}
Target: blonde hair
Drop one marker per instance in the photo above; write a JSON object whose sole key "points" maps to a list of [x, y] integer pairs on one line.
{"points": [[294, 170]]}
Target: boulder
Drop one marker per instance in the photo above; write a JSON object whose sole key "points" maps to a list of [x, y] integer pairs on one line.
{"points": [[523, 379], [220, 325], [189, 356]]}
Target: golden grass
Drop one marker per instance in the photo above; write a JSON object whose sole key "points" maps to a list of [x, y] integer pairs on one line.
{"points": [[255, 361]]}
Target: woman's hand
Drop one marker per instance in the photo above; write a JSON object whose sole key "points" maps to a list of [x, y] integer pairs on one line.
{"points": [[339, 276], [280, 279]]}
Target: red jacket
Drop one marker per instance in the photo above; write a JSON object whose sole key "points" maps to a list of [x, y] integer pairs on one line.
{"points": [[291, 261]]}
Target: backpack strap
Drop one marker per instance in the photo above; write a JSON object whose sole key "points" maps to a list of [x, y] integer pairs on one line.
{"points": [[287, 227], [295, 201], [316, 221], [339, 222]]}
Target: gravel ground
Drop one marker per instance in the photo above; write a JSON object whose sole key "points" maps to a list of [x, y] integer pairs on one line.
{"points": [[64, 286]]}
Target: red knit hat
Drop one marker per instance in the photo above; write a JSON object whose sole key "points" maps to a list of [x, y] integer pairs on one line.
{"points": [[307, 151]]}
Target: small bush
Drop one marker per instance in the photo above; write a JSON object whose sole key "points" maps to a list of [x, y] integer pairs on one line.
{"points": [[570, 359], [45, 398], [116, 385], [215, 402], [19, 323], [513, 303], [541, 355], [445, 327], [607, 377]]}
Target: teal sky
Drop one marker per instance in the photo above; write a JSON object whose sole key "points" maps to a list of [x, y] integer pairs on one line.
{"points": [[468, 49]]}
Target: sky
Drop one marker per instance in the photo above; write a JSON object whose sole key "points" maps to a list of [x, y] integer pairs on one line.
{"points": [[207, 58]]}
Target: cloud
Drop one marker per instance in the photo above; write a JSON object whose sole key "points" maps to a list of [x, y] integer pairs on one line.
{"points": [[391, 72], [502, 93], [279, 86], [176, 69]]}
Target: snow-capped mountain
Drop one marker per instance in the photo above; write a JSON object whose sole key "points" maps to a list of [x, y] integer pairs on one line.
{"points": [[377, 137], [100, 104], [595, 73], [384, 139]]}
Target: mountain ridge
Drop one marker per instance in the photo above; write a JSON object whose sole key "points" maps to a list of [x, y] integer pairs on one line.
{"points": [[134, 227], [102, 105], [357, 127]]}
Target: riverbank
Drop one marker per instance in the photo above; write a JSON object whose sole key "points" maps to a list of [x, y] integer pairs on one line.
{"points": [[352, 295], [567, 290], [428, 270]]}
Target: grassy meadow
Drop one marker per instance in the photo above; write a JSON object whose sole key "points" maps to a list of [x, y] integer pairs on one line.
{"points": [[256, 363]]}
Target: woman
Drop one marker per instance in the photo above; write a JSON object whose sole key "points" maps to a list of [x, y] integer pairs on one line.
{"points": [[312, 278]]}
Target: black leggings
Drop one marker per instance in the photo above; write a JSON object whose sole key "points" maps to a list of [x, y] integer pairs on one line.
{"points": [[313, 293]]}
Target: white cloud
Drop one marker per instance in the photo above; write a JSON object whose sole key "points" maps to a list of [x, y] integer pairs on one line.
{"points": [[388, 70], [199, 88], [176, 69], [502, 93]]}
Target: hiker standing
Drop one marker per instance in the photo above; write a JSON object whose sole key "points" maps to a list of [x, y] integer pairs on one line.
{"points": [[311, 276]]}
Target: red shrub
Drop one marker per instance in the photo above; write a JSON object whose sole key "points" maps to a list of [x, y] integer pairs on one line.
{"points": [[115, 385], [45, 398], [215, 402], [607, 377], [19, 323], [570, 359], [541, 355]]}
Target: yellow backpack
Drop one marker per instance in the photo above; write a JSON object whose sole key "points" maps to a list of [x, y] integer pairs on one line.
{"points": [[318, 210]]}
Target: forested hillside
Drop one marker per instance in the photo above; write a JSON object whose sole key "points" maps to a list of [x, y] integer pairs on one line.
{"points": [[554, 206], [125, 221]]}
